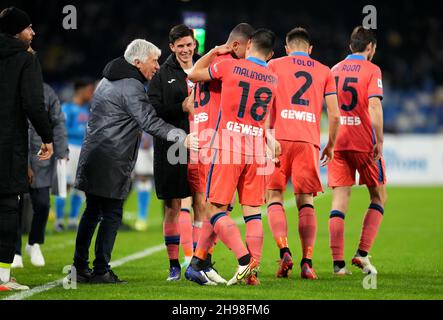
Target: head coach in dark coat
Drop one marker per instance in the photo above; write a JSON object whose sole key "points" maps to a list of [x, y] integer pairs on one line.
{"points": [[21, 97], [120, 111]]}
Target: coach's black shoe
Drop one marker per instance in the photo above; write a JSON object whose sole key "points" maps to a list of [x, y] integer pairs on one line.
{"points": [[108, 277], [81, 275]]}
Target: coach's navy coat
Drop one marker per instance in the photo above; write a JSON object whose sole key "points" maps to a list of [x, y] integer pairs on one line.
{"points": [[120, 110]]}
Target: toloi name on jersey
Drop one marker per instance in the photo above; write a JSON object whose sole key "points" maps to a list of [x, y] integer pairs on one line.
{"points": [[245, 72], [298, 115], [244, 129], [303, 63], [350, 121], [351, 67]]}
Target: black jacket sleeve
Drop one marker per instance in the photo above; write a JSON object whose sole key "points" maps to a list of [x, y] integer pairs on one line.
{"points": [[138, 106], [33, 103], [156, 96]]}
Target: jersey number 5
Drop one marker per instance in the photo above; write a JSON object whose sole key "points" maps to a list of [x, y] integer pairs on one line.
{"points": [[350, 89], [259, 102]]}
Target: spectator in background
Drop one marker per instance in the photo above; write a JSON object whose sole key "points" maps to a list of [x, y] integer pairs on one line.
{"points": [[77, 116], [40, 175], [144, 178], [21, 97]]}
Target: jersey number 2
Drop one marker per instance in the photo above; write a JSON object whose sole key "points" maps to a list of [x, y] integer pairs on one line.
{"points": [[296, 98]]}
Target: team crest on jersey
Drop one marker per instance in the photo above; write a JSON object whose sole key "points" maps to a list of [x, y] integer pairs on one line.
{"points": [[380, 84]]}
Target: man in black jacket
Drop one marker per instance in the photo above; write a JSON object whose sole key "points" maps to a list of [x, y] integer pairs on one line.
{"points": [[21, 97], [120, 111], [169, 91]]}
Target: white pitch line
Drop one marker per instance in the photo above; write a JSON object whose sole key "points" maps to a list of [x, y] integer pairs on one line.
{"points": [[48, 286], [136, 256]]}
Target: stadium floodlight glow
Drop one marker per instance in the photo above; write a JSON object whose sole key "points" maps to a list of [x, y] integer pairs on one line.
{"points": [[197, 22], [200, 36]]}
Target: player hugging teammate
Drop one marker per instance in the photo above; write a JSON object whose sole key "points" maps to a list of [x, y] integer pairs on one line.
{"points": [[248, 94]]}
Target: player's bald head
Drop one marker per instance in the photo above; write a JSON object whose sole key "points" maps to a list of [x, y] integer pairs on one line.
{"points": [[241, 32], [298, 38]]}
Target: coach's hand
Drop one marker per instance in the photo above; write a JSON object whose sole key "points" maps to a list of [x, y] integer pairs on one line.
{"points": [[378, 151], [30, 175], [191, 141], [46, 151], [327, 155]]}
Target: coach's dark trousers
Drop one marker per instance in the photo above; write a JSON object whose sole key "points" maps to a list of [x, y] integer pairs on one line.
{"points": [[40, 206], [9, 213], [107, 212]]}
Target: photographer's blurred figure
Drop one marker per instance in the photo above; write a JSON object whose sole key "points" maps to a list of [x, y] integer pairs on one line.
{"points": [[21, 98], [77, 114]]}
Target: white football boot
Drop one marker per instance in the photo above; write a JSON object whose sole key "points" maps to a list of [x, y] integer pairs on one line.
{"points": [[12, 285], [341, 271], [243, 272], [18, 262], [364, 264], [35, 254]]}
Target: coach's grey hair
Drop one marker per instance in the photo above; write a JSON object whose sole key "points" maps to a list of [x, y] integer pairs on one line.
{"points": [[140, 49]]}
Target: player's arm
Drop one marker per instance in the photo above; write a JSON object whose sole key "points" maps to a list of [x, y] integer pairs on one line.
{"points": [[376, 113], [375, 95], [273, 147], [334, 125], [201, 72]]}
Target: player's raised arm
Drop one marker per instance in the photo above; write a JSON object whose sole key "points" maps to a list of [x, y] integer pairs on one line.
{"points": [[200, 72], [376, 113], [334, 125]]}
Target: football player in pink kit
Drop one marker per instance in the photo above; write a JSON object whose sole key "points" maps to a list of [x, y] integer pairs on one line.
{"points": [[207, 108], [303, 85], [359, 148], [248, 91]]}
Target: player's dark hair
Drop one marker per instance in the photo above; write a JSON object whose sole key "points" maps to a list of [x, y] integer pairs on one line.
{"points": [[360, 38], [242, 30], [81, 83], [298, 35], [180, 31], [263, 40]]}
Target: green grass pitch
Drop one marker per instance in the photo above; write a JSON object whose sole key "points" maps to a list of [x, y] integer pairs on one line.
{"points": [[407, 253]]}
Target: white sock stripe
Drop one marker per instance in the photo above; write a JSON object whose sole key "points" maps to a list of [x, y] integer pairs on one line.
{"points": [[198, 224]]}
